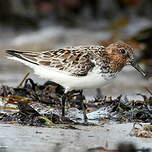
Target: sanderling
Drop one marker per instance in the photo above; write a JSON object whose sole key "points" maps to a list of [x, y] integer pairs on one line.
{"points": [[80, 67]]}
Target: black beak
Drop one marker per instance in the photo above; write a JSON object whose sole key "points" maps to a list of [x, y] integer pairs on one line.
{"points": [[138, 68]]}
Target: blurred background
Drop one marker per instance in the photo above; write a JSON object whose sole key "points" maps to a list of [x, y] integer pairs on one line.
{"points": [[39, 25]]}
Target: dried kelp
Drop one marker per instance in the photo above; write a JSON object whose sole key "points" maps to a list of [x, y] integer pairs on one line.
{"points": [[123, 110], [40, 105], [32, 104]]}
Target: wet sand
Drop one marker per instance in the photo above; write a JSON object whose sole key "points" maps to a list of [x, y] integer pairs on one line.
{"points": [[16, 138]]}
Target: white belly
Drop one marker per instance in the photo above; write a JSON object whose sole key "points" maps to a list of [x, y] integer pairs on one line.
{"points": [[92, 80]]}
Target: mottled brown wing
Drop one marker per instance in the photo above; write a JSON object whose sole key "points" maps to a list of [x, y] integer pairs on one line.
{"points": [[77, 62]]}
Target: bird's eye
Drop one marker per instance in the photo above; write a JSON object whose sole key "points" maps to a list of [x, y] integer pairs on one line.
{"points": [[123, 51]]}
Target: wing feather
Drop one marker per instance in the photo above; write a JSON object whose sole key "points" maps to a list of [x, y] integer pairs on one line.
{"points": [[75, 60]]}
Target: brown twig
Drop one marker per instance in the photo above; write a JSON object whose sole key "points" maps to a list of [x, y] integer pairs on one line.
{"points": [[23, 80]]}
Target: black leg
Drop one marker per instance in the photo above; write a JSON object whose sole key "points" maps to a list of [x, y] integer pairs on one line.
{"points": [[63, 103], [83, 107]]}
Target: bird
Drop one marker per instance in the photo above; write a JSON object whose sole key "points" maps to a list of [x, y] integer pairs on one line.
{"points": [[79, 67]]}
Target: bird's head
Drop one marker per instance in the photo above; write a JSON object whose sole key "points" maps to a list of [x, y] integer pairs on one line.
{"points": [[121, 54]]}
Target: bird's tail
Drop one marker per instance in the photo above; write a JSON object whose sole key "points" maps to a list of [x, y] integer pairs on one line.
{"points": [[26, 56]]}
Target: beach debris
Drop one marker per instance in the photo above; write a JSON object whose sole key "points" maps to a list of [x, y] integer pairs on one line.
{"points": [[141, 130], [40, 105]]}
